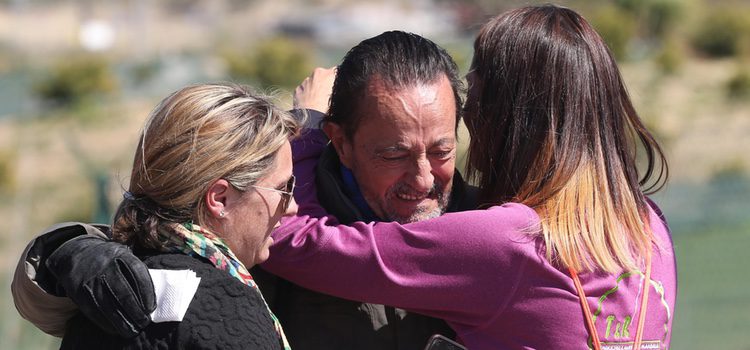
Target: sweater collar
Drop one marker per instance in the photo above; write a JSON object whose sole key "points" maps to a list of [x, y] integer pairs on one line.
{"points": [[351, 187]]}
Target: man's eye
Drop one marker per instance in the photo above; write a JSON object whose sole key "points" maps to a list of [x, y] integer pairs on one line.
{"points": [[442, 154], [393, 157]]}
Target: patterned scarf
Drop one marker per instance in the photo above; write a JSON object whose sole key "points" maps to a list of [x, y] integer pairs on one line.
{"points": [[197, 241]]}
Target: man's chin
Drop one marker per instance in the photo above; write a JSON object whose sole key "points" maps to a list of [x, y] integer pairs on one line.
{"points": [[421, 213]]}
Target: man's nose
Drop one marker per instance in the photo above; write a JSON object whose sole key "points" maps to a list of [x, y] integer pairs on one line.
{"points": [[423, 179]]}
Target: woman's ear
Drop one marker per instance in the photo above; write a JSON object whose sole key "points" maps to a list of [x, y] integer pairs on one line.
{"points": [[217, 198], [340, 142]]}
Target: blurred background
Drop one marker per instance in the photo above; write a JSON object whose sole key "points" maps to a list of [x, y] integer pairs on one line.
{"points": [[78, 78]]}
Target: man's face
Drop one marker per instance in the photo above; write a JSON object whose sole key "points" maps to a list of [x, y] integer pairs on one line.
{"points": [[404, 149]]}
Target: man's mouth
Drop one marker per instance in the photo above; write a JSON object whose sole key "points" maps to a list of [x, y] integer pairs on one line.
{"points": [[412, 196], [407, 193], [404, 204]]}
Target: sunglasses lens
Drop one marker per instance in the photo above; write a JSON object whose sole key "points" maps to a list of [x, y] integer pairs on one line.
{"points": [[287, 197], [290, 184]]}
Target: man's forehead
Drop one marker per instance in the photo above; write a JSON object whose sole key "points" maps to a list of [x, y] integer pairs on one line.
{"points": [[390, 103], [406, 144]]}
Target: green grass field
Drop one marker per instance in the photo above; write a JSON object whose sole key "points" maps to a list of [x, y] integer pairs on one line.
{"points": [[713, 301]]}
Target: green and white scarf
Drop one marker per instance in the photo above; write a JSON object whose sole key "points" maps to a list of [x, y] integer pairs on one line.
{"points": [[194, 240]]}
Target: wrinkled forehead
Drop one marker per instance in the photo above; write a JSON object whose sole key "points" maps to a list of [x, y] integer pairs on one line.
{"points": [[384, 105]]}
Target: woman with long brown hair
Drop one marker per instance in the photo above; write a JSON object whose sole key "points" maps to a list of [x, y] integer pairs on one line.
{"points": [[569, 252]]}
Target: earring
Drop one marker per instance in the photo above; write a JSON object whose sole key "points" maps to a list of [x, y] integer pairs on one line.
{"points": [[221, 214]]}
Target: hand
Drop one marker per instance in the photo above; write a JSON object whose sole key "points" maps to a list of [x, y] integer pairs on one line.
{"points": [[315, 91], [110, 285]]}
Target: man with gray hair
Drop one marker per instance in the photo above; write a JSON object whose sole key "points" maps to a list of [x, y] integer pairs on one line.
{"points": [[392, 122]]}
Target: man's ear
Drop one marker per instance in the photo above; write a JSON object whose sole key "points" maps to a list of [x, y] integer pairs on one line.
{"points": [[340, 142], [217, 199]]}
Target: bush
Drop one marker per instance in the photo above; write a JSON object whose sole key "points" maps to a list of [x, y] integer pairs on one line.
{"points": [[656, 17], [278, 62], [738, 86], [723, 33], [670, 58], [617, 28], [75, 80], [662, 16], [7, 172]]}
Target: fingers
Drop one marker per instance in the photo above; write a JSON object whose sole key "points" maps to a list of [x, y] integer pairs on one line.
{"points": [[120, 301], [315, 91], [112, 303], [93, 309], [136, 272]]}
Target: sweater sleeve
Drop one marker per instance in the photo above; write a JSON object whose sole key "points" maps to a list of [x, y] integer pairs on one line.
{"points": [[460, 267]]}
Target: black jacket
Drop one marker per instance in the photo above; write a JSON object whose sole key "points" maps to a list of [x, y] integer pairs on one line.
{"points": [[224, 314]]}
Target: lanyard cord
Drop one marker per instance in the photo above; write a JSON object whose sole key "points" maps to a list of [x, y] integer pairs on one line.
{"points": [[587, 312], [641, 312], [644, 303]]}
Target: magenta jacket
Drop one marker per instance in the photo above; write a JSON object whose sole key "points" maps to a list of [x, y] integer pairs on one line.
{"points": [[478, 270]]}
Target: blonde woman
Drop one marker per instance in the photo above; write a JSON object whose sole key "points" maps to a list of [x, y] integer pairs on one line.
{"points": [[212, 176]]}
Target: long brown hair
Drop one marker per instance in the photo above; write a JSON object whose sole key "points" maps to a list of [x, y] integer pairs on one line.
{"points": [[553, 128]]}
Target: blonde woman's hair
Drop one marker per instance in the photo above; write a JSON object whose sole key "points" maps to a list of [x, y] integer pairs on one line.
{"points": [[554, 129], [194, 137]]}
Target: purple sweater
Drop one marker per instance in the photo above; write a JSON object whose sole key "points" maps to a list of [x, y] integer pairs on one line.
{"points": [[480, 271]]}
